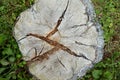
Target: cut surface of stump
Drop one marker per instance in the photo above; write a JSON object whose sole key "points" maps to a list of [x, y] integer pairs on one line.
{"points": [[59, 39]]}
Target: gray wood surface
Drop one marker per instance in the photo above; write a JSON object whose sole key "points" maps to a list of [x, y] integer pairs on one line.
{"points": [[59, 39]]}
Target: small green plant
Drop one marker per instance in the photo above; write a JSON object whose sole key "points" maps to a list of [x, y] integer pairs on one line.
{"points": [[11, 65], [108, 13]]}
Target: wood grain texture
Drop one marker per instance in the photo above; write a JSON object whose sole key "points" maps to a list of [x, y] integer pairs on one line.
{"points": [[59, 39]]}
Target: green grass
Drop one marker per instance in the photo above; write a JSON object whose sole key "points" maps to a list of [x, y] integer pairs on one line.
{"points": [[108, 13], [13, 68]]}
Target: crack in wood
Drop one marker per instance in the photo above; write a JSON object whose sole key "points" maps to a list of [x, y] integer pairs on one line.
{"points": [[57, 45], [35, 51], [41, 50], [43, 56], [53, 43], [43, 67], [61, 63], [79, 43], [58, 22]]}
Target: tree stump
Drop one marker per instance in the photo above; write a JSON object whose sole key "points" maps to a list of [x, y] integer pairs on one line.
{"points": [[59, 39]]}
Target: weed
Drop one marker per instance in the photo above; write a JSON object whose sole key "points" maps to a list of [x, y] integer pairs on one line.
{"points": [[108, 14], [12, 67]]}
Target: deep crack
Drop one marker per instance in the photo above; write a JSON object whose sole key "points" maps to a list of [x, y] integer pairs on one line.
{"points": [[58, 22]]}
